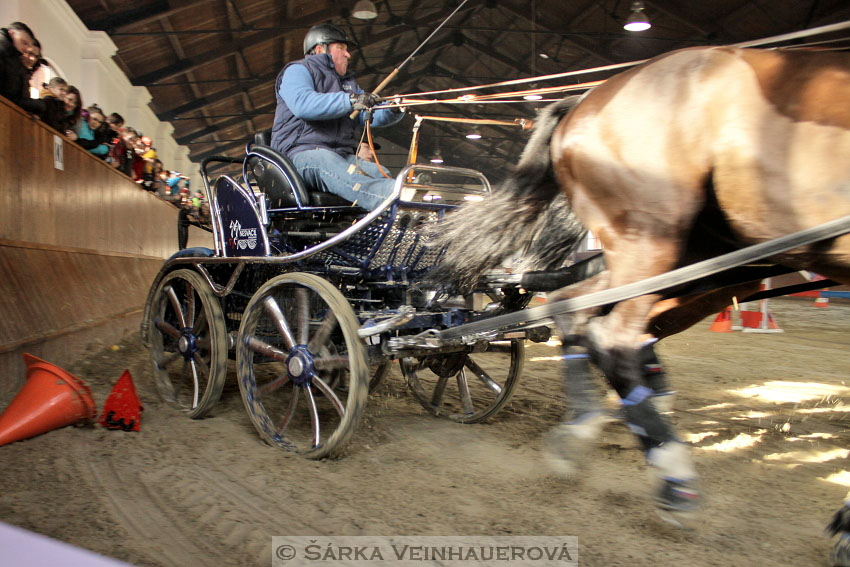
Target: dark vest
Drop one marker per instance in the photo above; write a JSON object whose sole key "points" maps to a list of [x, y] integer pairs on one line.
{"points": [[291, 134]]}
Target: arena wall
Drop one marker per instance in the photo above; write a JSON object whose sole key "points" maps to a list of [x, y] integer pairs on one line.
{"points": [[80, 244]]}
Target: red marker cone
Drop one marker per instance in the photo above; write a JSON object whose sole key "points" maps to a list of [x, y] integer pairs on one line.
{"points": [[122, 409], [51, 398]]}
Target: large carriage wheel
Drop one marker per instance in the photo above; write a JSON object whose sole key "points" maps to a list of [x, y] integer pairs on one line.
{"points": [[188, 342], [302, 368], [467, 387]]}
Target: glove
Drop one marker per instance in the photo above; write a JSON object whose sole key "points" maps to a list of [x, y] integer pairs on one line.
{"points": [[363, 101]]}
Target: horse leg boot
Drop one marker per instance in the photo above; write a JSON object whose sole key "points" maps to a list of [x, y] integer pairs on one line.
{"points": [[656, 378], [668, 456], [566, 445]]}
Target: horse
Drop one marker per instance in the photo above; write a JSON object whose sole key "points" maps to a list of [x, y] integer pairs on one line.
{"points": [[689, 155]]}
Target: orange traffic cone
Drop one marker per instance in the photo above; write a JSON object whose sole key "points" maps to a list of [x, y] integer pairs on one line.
{"points": [[51, 398], [723, 322], [122, 409]]}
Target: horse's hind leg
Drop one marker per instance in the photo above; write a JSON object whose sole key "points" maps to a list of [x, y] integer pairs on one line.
{"points": [[567, 444]]}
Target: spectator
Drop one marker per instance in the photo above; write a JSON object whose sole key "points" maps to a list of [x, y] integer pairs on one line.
{"points": [[32, 59], [57, 87], [148, 154], [115, 122], [73, 111], [16, 42], [124, 151], [94, 135]]}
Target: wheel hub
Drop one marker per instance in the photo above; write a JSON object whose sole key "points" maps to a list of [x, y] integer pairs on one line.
{"points": [[300, 366], [447, 365], [187, 343]]}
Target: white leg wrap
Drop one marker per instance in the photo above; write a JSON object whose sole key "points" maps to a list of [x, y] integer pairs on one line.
{"points": [[673, 460], [566, 445], [664, 402]]}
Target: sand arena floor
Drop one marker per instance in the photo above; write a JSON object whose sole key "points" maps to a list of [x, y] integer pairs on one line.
{"points": [[767, 415]]}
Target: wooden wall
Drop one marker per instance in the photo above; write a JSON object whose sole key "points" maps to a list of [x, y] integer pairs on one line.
{"points": [[79, 247]]}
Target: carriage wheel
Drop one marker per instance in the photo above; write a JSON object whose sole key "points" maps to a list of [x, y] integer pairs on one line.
{"points": [[467, 387], [302, 368], [188, 343]]}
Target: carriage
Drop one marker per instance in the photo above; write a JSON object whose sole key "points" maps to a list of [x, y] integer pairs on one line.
{"points": [[313, 298]]}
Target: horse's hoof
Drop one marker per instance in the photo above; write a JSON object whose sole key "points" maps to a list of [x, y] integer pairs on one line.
{"points": [[840, 555], [566, 446], [678, 496]]}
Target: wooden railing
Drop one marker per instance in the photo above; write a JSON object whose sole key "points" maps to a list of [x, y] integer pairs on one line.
{"points": [[79, 246]]}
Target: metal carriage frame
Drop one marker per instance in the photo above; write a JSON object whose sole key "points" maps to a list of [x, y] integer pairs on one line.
{"points": [[308, 297]]}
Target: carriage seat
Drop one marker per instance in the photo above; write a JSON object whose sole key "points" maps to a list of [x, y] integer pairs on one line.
{"points": [[277, 177]]}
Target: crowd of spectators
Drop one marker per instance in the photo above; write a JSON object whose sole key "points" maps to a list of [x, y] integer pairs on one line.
{"points": [[60, 106]]}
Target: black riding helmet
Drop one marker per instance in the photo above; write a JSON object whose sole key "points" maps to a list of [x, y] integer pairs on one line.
{"points": [[324, 34]]}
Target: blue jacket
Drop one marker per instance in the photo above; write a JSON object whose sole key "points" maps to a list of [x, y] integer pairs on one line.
{"points": [[313, 107], [86, 138]]}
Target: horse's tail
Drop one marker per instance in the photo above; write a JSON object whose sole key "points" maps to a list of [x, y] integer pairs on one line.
{"points": [[527, 214]]}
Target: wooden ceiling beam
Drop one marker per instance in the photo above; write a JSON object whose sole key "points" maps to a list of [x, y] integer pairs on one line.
{"points": [[186, 64], [121, 21]]}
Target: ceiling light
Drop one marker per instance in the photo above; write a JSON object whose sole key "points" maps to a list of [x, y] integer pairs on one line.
{"points": [[543, 55], [436, 158], [365, 10], [475, 134], [533, 97], [637, 20]]}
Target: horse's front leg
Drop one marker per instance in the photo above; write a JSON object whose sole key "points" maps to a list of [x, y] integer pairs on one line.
{"points": [[613, 345]]}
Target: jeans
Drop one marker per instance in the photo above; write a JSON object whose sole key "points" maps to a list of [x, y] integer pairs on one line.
{"points": [[355, 180]]}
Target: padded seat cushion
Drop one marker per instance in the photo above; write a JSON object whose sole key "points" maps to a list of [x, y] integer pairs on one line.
{"points": [[278, 188], [322, 199]]}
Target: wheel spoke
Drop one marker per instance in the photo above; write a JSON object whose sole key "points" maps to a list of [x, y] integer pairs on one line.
{"points": [[175, 304], [195, 382], [200, 322], [463, 388], [331, 362], [314, 416], [265, 349], [303, 299], [439, 389], [270, 387], [273, 309], [202, 364], [190, 304], [166, 328], [482, 375], [323, 333], [290, 410], [327, 391]]}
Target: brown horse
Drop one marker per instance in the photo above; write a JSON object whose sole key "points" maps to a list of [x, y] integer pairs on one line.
{"points": [[692, 154]]}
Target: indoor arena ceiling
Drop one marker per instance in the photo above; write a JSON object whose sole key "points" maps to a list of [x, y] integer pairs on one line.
{"points": [[210, 65]]}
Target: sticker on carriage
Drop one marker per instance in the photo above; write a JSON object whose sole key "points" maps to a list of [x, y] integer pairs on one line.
{"points": [[242, 238]]}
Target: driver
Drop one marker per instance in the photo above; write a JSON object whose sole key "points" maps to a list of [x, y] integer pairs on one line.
{"points": [[315, 97]]}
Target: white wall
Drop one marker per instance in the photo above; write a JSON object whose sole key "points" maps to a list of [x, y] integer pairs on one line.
{"points": [[84, 59]]}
